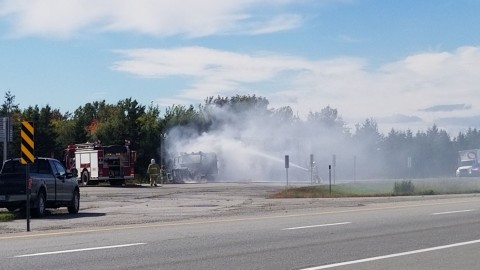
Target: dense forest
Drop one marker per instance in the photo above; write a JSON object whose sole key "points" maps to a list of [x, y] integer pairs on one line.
{"points": [[248, 122]]}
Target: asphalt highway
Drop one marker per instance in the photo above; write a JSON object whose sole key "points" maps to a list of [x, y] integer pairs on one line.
{"points": [[440, 234]]}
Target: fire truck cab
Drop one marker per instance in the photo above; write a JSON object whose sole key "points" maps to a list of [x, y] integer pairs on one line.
{"points": [[93, 162]]}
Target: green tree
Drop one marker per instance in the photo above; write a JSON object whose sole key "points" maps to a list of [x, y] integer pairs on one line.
{"points": [[442, 160], [220, 111], [284, 115], [189, 119], [109, 130], [151, 138], [45, 144], [368, 144], [396, 151], [327, 121], [9, 106], [468, 140], [85, 121], [64, 126], [11, 109], [133, 111]]}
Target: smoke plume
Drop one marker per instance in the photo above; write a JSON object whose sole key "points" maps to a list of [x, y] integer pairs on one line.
{"points": [[251, 146]]}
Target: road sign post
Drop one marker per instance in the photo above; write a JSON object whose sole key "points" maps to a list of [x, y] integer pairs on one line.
{"points": [[27, 157], [287, 165], [330, 177], [28, 143], [311, 168]]}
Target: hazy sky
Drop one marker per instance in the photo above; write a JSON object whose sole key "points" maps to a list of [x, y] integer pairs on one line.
{"points": [[408, 64]]}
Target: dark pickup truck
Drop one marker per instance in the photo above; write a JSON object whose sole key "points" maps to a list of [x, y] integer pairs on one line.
{"points": [[51, 186]]}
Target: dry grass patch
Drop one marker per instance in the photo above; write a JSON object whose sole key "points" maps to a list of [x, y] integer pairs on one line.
{"points": [[337, 191]]}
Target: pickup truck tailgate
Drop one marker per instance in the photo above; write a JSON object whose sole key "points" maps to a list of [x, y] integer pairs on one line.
{"points": [[11, 184]]}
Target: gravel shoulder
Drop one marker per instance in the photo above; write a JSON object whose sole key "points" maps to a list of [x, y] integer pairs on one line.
{"points": [[115, 206]]}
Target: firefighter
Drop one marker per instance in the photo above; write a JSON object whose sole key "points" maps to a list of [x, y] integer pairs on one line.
{"points": [[153, 171]]}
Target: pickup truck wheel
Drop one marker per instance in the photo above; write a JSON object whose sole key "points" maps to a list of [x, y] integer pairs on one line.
{"points": [[75, 204], [39, 211], [85, 177]]}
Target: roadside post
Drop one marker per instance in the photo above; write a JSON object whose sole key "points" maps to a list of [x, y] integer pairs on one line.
{"points": [[311, 168], [28, 190], [27, 157], [330, 177], [287, 164]]}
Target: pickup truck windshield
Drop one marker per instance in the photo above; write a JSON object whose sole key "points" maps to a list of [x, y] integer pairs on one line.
{"points": [[14, 166]]}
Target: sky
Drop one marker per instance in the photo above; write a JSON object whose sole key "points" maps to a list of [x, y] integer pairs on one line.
{"points": [[406, 64]]}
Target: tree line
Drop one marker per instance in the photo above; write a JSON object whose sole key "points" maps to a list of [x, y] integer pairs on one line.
{"points": [[398, 154]]}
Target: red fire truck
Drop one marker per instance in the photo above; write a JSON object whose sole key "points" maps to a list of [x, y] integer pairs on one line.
{"points": [[93, 162]]}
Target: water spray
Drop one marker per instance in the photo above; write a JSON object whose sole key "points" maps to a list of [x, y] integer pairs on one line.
{"points": [[261, 154]]}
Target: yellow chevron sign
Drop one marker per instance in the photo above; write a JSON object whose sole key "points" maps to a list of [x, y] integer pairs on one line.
{"points": [[28, 143]]}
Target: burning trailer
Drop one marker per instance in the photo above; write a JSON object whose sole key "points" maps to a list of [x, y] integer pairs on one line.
{"points": [[195, 167]]}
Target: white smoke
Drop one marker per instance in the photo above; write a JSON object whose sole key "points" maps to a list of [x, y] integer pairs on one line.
{"points": [[252, 147]]}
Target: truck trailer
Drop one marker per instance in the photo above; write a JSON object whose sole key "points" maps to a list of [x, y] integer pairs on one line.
{"points": [[468, 163], [195, 167]]}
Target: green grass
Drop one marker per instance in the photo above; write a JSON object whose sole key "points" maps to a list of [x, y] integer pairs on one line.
{"points": [[459, 186], [6, 216]]}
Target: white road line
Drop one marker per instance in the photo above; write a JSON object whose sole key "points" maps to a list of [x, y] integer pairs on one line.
{"points": [[315, 226], [218, 221], [77, 250], [453, 212], [393, 255]]}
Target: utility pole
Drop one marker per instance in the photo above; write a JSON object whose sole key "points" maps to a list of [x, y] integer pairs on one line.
{"points": [[6, 134], [163, 136]]}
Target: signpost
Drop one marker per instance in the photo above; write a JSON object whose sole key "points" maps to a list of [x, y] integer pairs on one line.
{"points": [[287, 165], [27, 157], [311, 168], [28, 145], [330, 177]]}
